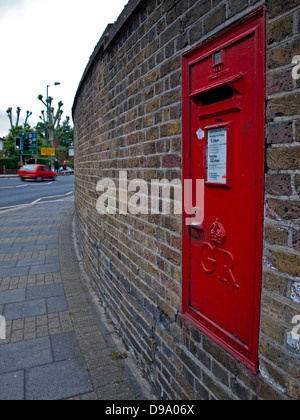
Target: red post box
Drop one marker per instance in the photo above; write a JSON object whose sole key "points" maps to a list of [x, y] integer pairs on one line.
{"points": [[223, 144]]}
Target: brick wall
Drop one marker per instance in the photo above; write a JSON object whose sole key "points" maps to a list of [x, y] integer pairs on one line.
{"points": [[128, 116], [281, 298]]}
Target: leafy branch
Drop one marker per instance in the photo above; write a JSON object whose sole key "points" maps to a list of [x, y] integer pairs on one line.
{"points": [[52, 118]]}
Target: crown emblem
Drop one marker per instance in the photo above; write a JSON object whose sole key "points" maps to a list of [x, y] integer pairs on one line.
{"points": [[217, 232]]}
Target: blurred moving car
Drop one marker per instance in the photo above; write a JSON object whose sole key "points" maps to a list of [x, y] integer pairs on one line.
{"points": [[37, 172], [67, 171]]}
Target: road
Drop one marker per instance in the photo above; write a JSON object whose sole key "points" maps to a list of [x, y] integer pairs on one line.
{"points": [[14, 193]]}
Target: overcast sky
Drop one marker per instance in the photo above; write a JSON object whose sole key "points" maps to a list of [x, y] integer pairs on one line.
{"points": [[43, 42]]}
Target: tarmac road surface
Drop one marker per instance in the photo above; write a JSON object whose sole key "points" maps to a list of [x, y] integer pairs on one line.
{"points": [[14, 193]]}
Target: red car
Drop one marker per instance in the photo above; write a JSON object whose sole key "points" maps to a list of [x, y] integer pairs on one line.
{"points": [[37, 172]]}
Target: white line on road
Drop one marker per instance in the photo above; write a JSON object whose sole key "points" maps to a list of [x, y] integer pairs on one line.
{"points": [[14, 186], [13, 207], [35, 184], [36, 201], [52, 201], [54, 196]]}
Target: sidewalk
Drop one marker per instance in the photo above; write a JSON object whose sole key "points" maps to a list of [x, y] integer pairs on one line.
{"points": [[57, 345]]}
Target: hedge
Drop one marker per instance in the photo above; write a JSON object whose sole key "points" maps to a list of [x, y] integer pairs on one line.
{"points": [[40, 161], [9, 163], [70, 164], [13, 163]]}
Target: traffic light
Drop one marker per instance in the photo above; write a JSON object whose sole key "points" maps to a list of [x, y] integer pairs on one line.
{"points": [[27, 144], [18, 143]]}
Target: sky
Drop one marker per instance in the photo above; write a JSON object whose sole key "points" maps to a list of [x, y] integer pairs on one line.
{"points": [[43, 42]]}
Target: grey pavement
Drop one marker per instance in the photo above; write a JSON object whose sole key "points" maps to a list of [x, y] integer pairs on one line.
{"points": [[56, 346]]}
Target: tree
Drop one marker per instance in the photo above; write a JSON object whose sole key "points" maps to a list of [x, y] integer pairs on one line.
{"points": [[51, 119], [9, 114], [40, 129], [10, 141], [28, 114], [65, 134]]}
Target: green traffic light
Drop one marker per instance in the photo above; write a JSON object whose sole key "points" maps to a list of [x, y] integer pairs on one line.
{"points": [[18, 143]]}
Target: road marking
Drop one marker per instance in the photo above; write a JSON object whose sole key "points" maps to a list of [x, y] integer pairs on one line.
{"points": [[53, 196], [27, 185], [41, 200], [13, 186], [36, 201], [52, 201], [13, 207]]}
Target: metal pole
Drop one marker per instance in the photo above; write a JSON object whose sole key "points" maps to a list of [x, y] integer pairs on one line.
{"points": [[55, 84], [47, 129]]}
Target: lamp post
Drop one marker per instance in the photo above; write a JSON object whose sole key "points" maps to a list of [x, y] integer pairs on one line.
{"points": [[47, 133]]}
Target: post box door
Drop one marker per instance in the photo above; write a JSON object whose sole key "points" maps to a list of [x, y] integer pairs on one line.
{"points": [[224, 97]]}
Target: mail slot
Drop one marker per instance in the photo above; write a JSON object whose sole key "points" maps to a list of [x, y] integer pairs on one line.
{"points": [[223, 144]]}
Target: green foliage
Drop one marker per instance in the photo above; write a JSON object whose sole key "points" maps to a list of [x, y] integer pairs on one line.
{"points": [[65, 134], [9, 163], [10, 142], [40, 161], [40, 129], [70, 164]]}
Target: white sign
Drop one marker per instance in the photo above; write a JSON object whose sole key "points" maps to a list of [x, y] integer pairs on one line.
{"points": [[217, 156], [200, 134], [2, 328]]}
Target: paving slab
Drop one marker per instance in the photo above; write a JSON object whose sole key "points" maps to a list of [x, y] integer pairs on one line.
{"points": [[53, 259], [65, 346], [12, 296], [58, 381], [28, 262], [14, 272], [10, 249], [6, 235], [47, 241], [24, 309], [43, 292], [44, 269], [14, 244], [56, 347], [57, 304], [25, 354], [8, 264], [12, 386], [35, 248]]}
